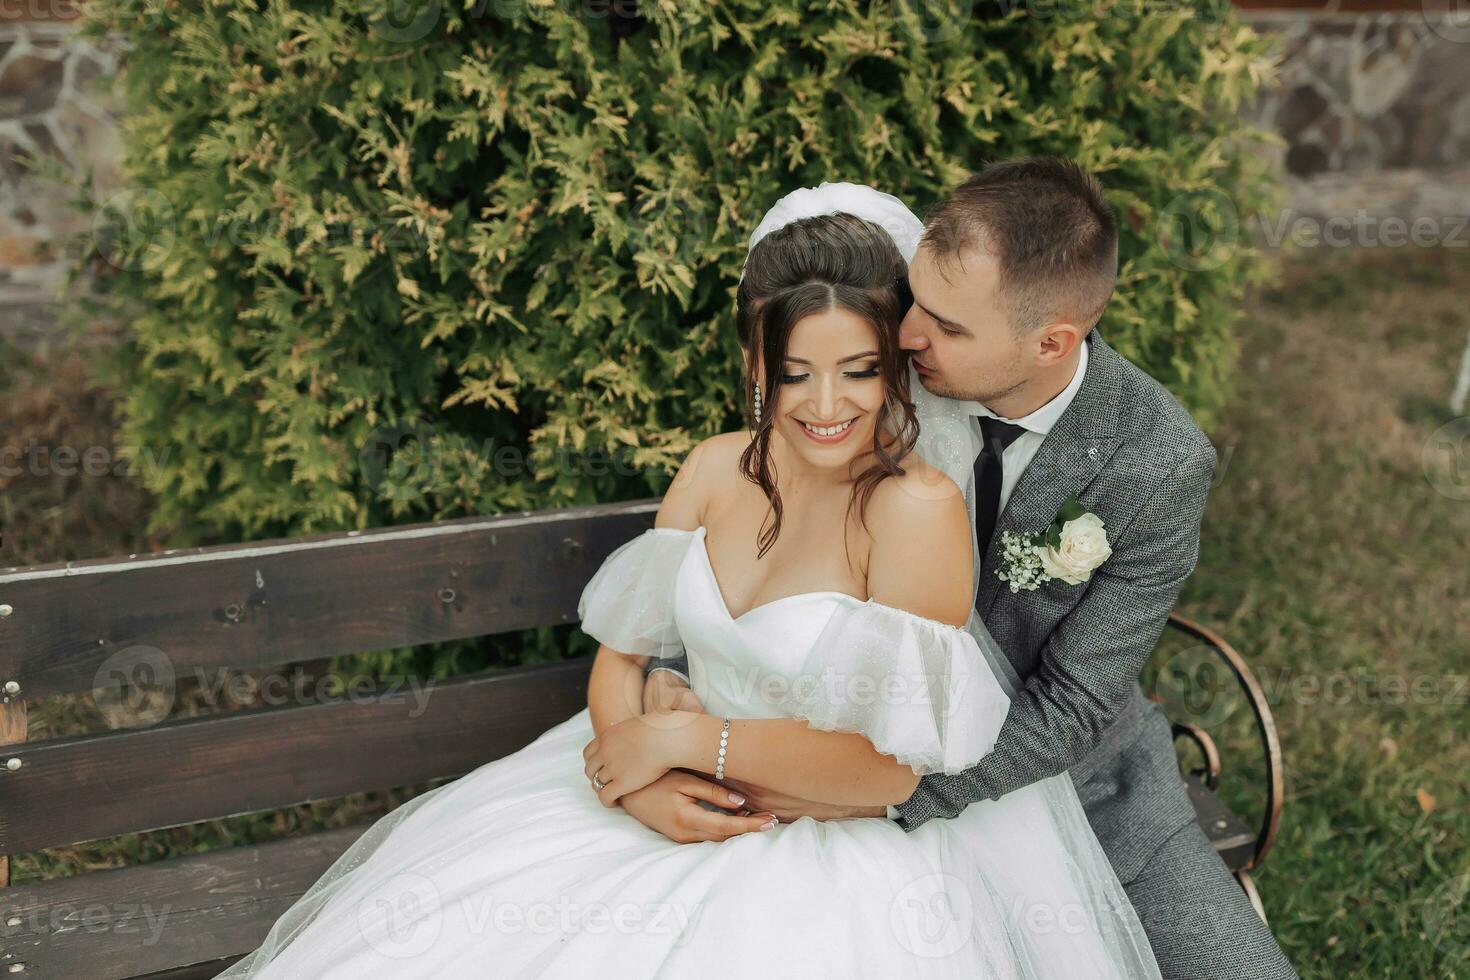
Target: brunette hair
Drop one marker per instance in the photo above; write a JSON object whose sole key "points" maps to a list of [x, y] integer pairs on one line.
{"points": [[1046, 221], [810, 266]]}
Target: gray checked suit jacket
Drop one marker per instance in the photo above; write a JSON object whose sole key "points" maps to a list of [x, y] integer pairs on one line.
{"points": [[1135, 457]]}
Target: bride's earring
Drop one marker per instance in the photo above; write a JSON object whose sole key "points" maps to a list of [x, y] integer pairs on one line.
{"points": [[757, 403]]}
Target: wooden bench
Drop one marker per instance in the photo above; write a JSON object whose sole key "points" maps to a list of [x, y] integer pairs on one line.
{"points": [[90, 625]]}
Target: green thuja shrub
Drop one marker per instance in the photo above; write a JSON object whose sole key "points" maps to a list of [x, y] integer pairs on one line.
{"points": [[385, 262]]}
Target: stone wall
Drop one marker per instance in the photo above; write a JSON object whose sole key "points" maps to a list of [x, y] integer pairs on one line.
{"points": [[55, 123], [1374, 110]]}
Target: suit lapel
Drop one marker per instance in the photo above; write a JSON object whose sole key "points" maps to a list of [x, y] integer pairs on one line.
{"points": [[1069, 458]]}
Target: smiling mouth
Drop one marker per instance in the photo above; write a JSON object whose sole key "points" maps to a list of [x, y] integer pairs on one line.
{"points": [[828, 431]]}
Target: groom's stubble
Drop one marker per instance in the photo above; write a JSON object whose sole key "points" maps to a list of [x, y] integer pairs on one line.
{"points": [[984, 394]]}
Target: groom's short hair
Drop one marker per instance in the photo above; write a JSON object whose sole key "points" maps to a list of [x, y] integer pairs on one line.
{"points": [[1047, 223]]}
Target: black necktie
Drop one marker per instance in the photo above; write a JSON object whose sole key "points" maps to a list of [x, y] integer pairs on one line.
{"points": [[998, 435]]}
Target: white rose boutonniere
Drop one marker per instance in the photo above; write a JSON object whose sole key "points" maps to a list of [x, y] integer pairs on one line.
{"points": [[1070, 549]]}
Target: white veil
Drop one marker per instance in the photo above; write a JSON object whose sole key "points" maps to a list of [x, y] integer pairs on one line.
{"points": [[883, 210]]}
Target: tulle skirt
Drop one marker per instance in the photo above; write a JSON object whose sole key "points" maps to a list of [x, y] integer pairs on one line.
{"points": [[517, 870]]}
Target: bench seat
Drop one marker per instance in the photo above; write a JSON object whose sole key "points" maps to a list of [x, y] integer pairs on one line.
{"points": [[216, 907]]}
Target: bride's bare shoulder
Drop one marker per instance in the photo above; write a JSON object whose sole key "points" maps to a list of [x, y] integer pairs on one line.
{"points": [[920, 503], [924, 480], [707, 468], [921, 556], [712, 461]]}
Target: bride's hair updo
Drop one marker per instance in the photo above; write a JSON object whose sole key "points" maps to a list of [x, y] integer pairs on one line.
{"points": [[810, 266]]}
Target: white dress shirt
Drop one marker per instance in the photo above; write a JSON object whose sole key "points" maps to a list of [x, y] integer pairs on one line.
{"points": [[1018, 455]]}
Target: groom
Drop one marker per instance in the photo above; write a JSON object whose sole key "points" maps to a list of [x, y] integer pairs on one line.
{"points": [[1013, 273]]}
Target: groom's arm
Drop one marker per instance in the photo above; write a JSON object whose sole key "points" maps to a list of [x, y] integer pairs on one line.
{"points": [[1093, 659], [679, 665]]}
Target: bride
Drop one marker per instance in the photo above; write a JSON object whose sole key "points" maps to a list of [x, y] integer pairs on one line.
{"points": [[818, 573]]}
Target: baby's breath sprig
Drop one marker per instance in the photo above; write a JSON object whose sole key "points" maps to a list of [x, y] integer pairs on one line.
{"points": [[1021, 563]]}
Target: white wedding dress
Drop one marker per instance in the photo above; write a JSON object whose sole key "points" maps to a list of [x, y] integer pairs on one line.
{"points": [[517, 869]]}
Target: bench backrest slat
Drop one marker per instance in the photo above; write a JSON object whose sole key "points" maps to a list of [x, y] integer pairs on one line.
{"points": [[94, 786], [87, 625]]}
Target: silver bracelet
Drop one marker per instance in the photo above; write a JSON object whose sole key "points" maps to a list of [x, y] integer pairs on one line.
{"points": [[720, 760]]}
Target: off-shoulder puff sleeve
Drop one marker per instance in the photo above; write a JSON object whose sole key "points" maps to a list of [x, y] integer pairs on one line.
{"points": [[628, 604], [920, 690]]}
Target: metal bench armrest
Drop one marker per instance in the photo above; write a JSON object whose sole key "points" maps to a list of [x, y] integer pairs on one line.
{"points": [[1265, 724]]}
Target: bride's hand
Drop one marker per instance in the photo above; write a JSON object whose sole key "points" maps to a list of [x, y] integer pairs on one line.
{"points": [[632, 754]]}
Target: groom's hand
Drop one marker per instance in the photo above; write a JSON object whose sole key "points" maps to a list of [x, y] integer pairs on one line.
{"points": [[668, 806], [663, 691], [788, 808]]}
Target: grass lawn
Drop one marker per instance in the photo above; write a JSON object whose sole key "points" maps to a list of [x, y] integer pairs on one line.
{"points": [[1333, 555]]}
